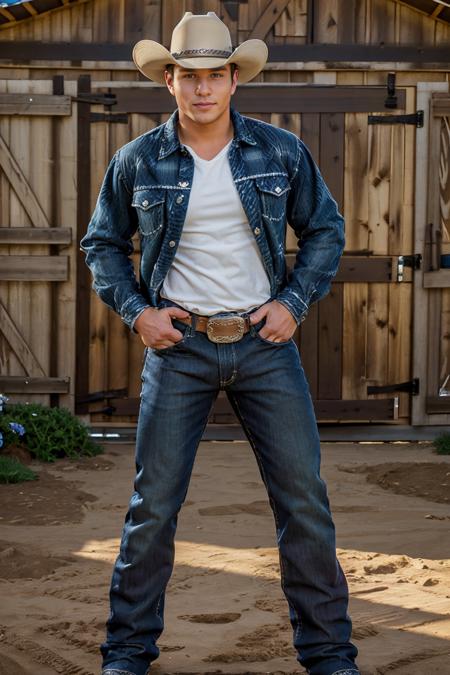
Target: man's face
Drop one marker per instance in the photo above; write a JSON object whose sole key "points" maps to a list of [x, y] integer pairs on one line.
{"points": [[203, 94]]}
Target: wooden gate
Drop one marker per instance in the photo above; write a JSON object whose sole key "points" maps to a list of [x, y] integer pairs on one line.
{"points": [[432, 287], [356, 343], [37, 193]]}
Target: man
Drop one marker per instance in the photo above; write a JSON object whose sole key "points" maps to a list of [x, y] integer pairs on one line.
{"points": [[210, 193]]}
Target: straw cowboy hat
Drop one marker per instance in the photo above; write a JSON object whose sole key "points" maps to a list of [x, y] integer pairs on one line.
{"points": [[200, 41]]}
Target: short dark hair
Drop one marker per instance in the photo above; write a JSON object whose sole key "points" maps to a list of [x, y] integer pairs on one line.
{"points": [[170, 68]]}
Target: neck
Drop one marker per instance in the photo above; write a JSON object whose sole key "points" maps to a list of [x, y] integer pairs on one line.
{"points": [[194, 134]]}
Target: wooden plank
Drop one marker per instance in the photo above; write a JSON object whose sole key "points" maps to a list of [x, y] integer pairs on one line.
{"points": [[354, 356], [33, 268], [440, 106], [326, 21], [379, 174], [437, 279], [356, 205], [357, 269], [332, 154], [15, 340], [21, 186], [83, 278], [268, 18], [381, 409], [17, 384], [35, 235], [330, 344], [437, 404], [266, 98], [35, 104]]}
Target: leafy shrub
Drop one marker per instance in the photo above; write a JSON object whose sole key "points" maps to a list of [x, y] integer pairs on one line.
{"points": [[442, 444], [50, 433], [12, 471]]}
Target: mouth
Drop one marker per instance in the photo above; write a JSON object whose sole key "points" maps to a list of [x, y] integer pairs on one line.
{"points": [[205, 105]]}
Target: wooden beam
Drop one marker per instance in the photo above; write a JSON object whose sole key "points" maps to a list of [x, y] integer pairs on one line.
{"points": [[16, 342], [267, 98], [359, 269], [35, 104], [33, 268], [4, 12], [437, 279], [32, 11], [17, 384], [437, 404], [347, 55], [21, 186], [440, 106], [35, 235], [268, 18]]}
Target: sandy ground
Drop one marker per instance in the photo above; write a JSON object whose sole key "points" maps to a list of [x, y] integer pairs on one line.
{"points": [[225, 612]]}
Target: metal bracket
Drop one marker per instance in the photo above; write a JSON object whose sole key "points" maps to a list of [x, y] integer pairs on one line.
{"points": [[118, 118], [414, 118], [413, 261], [391, 99], [96, 99], [412, 387]]}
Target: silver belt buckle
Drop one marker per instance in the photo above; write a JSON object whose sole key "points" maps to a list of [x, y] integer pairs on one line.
{"points": [[233, 325]]}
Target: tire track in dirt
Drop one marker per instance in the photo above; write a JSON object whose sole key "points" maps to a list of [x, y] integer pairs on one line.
{"points": [[39, 654]]}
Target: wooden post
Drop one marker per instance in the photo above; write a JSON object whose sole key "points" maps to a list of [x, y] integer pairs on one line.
{"points": [[83, 275]]}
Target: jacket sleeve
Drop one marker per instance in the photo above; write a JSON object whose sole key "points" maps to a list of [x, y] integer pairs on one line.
{"points": [[313, 214], [108, 247]]}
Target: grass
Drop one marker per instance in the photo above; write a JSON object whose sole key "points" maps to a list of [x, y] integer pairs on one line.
{"points": [[442, 444], [12, 471]]}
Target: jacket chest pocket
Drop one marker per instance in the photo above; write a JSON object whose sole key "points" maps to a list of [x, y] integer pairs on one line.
{"points": [[273, 193], [149, 205]]}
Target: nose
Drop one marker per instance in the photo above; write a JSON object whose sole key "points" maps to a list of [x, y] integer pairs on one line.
{"points": [[202, 87]]}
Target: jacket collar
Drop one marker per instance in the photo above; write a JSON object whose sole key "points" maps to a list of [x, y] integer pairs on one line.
{"points": [[170, 141]]}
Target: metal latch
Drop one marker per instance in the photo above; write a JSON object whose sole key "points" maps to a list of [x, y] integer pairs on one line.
{"points": [[413, 261], [412, 387]]}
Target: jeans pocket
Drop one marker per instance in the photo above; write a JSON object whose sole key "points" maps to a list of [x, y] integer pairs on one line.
{"points": [[183, 328], [258, 326]]}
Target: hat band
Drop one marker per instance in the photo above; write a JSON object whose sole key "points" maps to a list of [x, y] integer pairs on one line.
{"points": [[202, 52]]}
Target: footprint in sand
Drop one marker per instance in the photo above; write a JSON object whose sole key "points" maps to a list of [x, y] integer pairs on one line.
{"points": [[259, 508], [364, 631], [226, 617]]}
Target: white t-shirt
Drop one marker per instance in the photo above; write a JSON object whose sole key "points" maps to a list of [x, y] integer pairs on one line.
{"points": [[217, 266]]}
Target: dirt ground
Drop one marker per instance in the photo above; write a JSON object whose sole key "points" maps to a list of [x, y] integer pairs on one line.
{"points": [[225, 612]]}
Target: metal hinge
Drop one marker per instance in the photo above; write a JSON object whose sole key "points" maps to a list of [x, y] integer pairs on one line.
{"points": [[118, 118], [413, 118], [413, 261], [412, 387]]}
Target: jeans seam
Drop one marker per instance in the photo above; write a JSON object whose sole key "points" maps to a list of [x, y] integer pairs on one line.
{"points": [[260, 464]]}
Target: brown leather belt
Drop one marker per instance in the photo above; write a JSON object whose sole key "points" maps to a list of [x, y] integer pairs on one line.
{"points": [[220, 328]]}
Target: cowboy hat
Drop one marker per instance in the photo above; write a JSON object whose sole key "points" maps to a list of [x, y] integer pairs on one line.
{"points": [[200, 41]]}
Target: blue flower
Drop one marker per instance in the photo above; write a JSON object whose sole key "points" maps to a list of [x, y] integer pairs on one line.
{"points": [[1, 439], [17, 428]]}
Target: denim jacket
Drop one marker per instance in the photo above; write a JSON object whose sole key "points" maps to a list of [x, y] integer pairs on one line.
{"points": [[146, 188]]}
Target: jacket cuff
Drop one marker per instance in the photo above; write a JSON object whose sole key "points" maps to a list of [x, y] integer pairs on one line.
{"points": [[132, 309], [291, 300]]}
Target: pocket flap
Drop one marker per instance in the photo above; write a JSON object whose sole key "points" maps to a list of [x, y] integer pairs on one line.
{"points": [[274, 185], [147, 199]]}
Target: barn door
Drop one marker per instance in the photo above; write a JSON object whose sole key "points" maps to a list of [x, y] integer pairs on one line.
{"points": [[432, 293], [37, 186], [356, 343]]}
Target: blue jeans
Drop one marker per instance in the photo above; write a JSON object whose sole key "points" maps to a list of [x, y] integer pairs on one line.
{"points": [[269, 393]]}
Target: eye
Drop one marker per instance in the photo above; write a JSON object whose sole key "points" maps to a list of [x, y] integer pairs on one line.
{"points": [[216, 75]]}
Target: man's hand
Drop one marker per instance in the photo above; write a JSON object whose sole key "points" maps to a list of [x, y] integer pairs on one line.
{"points": [[156, 329], [280, 324]]}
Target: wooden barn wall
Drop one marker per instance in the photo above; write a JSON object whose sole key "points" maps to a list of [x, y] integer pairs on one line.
{"points": [[378, 169]]}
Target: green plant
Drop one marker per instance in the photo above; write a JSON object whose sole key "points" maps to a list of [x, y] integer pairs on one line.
{"points": [[50, 433], [442, 444], [12, 471]]}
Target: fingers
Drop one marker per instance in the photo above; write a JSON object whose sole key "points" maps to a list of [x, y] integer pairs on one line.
{"points": [[260, 313], [176, 312]]}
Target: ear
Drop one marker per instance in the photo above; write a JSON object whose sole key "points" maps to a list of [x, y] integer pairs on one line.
{"points": [[235, 80], [169, 82]]}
